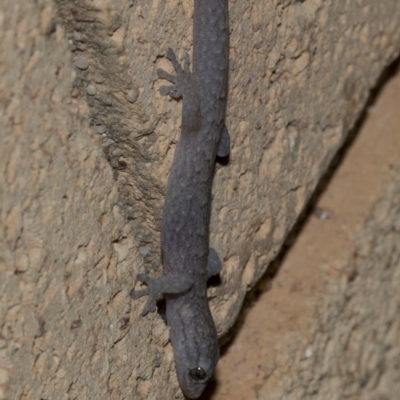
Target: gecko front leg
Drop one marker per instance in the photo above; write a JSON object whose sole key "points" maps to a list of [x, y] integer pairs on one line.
{"points": [[185, 86]]}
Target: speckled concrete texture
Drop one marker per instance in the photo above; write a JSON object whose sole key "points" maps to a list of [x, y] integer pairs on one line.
{"points": [[326, 324], [85, 149]]}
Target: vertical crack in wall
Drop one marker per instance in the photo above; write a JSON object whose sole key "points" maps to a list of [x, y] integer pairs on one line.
{"points": [[104, 81]]}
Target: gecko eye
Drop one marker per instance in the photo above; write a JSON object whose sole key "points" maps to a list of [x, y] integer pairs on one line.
{"points": [[198, 374]]}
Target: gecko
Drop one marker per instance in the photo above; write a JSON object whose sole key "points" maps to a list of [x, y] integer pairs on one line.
{"points": [[188, 260]]}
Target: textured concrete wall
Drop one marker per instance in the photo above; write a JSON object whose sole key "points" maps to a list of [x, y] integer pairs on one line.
{"points": [[85, 148], [356, 331], [327, 325]]}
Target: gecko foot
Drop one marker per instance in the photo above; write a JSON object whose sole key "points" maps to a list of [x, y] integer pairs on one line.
{"points": [[151, 291], [181, 81], [185, 86]]}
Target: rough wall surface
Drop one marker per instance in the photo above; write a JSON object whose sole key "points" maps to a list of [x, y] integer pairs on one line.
{"points": [[86, 144], [356, 352], [291, 339]]}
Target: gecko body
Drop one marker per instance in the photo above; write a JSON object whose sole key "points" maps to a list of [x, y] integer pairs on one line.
{"points": [[187, 258]]}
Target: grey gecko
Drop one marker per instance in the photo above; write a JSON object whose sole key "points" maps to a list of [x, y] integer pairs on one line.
{"points": [[188, 260]]}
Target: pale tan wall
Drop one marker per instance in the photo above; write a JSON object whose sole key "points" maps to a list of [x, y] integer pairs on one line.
{"points": [[85, 148]]}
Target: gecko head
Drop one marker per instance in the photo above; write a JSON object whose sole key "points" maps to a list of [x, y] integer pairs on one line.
{"points": [[193, 379], [195, 343], [195, 361]]}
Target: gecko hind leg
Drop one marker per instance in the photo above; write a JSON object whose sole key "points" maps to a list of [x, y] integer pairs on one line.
{"points": [[156, 287]]}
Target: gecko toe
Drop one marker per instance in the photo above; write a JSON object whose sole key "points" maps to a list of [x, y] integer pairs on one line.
{"points": [[172, 57], [136, 294], [164, 90], [165, 75], [150, 306], [172, 90], [144, 278], [170, 54]]}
